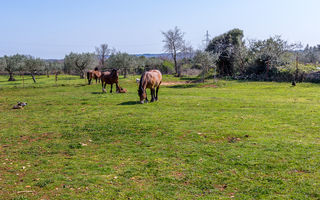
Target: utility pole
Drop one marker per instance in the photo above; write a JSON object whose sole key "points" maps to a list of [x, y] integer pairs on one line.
{"points": [[207, 39]]}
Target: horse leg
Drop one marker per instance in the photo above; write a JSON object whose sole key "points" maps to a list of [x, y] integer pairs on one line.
{"points": [[111, 87], [146, 97], [152, 95], [157, 92], [96, 80], [103, 87], [118, 89]]}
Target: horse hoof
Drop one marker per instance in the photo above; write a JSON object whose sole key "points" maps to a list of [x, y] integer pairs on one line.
{"points": [[141, 102]]}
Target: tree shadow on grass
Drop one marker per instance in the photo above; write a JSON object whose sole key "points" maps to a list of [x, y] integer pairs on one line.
{"points": [[68, 78], [189, 78], [128, 103]]}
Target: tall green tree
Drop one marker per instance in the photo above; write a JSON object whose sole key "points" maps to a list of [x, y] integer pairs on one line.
{"points": [[227, 45], [80, 62]]}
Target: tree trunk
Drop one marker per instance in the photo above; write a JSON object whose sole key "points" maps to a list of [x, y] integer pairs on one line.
{"points": [[125, 73], [179, 69], [56, 77], [11, 77], [267, 72], [203, 74], [33, 78], [297, 69], [174, 55], [81, 75]]}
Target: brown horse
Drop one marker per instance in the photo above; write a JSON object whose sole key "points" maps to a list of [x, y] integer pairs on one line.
{"points": [[152, 80], [109, 78], [121, 90], [96, 74]]}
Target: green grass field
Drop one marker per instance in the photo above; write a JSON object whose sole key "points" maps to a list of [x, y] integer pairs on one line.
{"points": [[236, 140]]}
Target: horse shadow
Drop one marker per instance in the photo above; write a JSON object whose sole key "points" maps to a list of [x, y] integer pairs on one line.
{"points": [[97, 92], [128, 103]]}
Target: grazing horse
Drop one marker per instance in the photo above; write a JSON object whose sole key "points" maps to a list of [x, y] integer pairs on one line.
{"points": [[109, 78], [96, 74], [152, 80]]}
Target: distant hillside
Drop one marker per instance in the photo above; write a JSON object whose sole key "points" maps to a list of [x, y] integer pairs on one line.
{"points": [[54, 60], [147, 55], [159, 55]]}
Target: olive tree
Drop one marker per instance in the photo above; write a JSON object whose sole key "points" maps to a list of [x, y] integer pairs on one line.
{"points": [[80, 62], [173, 44], [12, 64], [33, 66], [53, 67], [205, 60], [153, 63], [122, 61]]}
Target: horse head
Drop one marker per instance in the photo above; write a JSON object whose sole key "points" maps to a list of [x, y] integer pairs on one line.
{"points": [[115, 72], [142, 94]]}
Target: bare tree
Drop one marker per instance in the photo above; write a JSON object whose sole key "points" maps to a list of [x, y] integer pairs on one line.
{"points": [[187, 51], [103, 52], [174, 44]]}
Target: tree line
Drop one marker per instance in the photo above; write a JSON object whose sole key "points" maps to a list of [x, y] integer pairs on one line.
{"points": [[226, 55]]}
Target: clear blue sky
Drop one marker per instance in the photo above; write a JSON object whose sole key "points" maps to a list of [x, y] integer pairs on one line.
{"points": [[53, 28]]}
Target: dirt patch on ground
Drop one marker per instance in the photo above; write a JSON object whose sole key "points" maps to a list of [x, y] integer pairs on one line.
{"points": [[38, 137], [174, 83]]}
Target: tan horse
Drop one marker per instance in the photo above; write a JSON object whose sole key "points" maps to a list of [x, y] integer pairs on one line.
{"points": [[152, 80], [93, 74], [109, 78]]}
